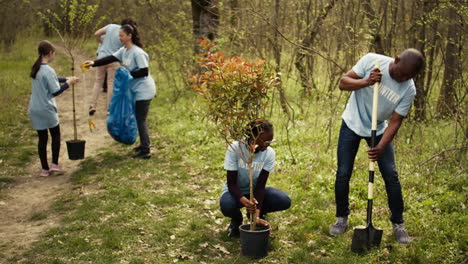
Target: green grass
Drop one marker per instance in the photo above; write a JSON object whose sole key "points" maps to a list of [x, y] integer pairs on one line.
{"points": [[16, 135], [166, 209], [38, 216]]}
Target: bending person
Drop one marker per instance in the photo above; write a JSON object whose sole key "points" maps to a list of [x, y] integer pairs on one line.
{"points": [[109, 43], [396, 94], [136, 60]]}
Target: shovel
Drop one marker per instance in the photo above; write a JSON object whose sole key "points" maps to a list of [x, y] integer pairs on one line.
{"points": [[366, 237]]}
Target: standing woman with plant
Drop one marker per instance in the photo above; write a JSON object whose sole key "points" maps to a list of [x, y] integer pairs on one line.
{"points": [[42, 106], [136, 61]]}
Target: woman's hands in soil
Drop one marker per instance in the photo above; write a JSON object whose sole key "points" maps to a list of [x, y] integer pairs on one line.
{"points": [[250, 206]]}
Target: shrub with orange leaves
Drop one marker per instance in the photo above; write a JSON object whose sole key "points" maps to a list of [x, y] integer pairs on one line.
{"points": [[235, 90], [236, 93]]}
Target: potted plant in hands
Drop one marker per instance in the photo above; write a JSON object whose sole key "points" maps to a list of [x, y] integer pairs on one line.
{"points": [[73, 23], [236, 92]]}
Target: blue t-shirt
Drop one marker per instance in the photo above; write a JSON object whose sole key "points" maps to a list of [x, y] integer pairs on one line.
{"points": [[232, 162], [42, 105], [393, 97], [134, 59], [110, 41]]}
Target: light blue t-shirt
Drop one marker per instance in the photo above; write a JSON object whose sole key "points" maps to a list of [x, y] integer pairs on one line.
{"points": [[42, 105], [135, 59], [232, 162], [110, 41], [393, 97]]}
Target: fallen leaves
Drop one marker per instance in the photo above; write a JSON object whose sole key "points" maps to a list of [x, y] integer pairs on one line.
{"points": [[222, 249]]}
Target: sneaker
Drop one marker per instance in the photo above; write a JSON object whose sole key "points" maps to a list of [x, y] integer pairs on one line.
{"points": [[340, 226], [92, 110], [45, 173], [233, 229], [57, 168], [400, 233], [142, 155]]}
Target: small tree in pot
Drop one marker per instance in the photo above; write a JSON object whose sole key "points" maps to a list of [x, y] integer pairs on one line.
{"points": [[73, 23], [236, 92]]}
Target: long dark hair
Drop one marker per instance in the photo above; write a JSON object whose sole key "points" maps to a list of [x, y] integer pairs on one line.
{"points": [[131, 29], [44, 48]]}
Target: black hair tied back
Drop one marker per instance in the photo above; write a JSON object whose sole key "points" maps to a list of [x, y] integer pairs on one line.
{"points": [[132, 29], [44, 48]]}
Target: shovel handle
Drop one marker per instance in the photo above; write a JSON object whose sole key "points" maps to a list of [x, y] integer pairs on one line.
{"points": [[375, 104], [370, 187]]}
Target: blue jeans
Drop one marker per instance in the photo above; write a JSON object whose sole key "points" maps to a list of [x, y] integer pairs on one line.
{"points": [[274, 200], [348, 144]]}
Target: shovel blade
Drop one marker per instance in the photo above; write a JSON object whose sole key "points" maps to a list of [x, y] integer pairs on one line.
{"points": [[364, 238]]}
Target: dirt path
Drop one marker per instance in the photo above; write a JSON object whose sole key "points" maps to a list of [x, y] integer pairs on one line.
{"points": [[33, 195]]}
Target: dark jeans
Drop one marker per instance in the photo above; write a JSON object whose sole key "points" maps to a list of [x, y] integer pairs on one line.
{"points": [[42, 145], [348, 144], [141, 112], [275, 200]]}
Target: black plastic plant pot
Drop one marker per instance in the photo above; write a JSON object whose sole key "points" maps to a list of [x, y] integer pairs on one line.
{"points": [[254, 244], [76, 149]]}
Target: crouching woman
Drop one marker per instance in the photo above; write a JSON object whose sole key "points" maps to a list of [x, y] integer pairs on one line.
{"points": [[236, 191]]}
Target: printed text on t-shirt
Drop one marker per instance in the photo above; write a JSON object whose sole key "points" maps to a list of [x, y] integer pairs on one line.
{"points": [[256, 166], [389, 94]]}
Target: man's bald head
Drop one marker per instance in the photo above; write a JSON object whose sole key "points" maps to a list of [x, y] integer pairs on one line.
{"points": [[413, 58], [407, 65]]}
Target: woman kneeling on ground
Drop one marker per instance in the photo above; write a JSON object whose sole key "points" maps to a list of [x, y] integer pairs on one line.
{"points": [[236, 191]]}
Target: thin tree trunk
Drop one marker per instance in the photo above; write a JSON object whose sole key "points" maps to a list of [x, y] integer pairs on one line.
{"points": [[253, 217], [374, 27], [446, 104], [205, 17], [419, 42], [307, 42], [277, 54], [234, 22]]}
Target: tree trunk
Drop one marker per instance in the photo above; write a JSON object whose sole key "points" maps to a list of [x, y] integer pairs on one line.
{"points": [[446, 104], [374, 27], [205, 16], [419, 42], [306, 43], [234, 22], [277, 54]]}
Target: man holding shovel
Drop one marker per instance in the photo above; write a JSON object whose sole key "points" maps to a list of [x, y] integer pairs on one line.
{"points": [[396, 94]]}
